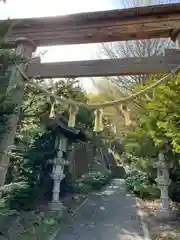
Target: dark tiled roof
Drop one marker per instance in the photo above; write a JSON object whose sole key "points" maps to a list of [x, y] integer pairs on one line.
{"points": [[60, 124]]}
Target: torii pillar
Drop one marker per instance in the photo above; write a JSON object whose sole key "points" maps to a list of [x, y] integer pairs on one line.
{"points": [[15, 92], [175, 37]]}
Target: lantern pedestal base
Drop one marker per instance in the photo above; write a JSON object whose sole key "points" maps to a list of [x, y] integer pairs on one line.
{"points": [[165, 214], [58, 207]]}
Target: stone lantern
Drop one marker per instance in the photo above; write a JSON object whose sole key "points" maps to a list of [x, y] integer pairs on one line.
{"points": [[58, 174], [163, 181], [65, 137]]}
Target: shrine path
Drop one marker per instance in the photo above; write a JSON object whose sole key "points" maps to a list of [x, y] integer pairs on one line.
{"points": [[108, 215]]}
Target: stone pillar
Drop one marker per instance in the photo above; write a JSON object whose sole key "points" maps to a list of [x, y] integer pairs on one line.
{"points": [[58, 175], [175, 37], [163, 181], [14, 96]]}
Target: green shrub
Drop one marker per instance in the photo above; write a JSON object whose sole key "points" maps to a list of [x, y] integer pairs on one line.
{"points": [[19, 195], [82, 188], [24, 192], [174, 191], [93, 181], [141, 185], [146, 191], [174, 188], [143, 164], [140, 144]]}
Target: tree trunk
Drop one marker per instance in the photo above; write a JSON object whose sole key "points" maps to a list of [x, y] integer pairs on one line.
{"points": [[15, 92]]}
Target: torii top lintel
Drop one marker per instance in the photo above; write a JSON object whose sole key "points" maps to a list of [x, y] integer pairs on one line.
{"points": [[94, 27]]}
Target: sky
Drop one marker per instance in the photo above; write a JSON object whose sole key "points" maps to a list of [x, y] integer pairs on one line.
{"points": [[41, 8]]}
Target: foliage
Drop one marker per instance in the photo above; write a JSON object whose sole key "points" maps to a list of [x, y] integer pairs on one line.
{"points": [[157, 128], [139, 143], [114, 123], [18, 195], [93, 181], [34, 146], [143, 164], [160, 122], [141, 185], [29, 168], [36, 105], [8, 188], [174, 189]]}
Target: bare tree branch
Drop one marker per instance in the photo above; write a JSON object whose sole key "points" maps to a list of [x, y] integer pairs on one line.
{"points": [[137, 48]]}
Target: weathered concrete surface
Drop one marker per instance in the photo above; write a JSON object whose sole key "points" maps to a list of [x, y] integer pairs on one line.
{"points": [[109, 215]]}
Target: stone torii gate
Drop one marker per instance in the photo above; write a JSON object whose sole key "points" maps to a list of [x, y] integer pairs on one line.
{"points": [[95, 27]]}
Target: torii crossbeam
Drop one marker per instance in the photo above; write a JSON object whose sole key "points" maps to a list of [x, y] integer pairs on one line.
{"points": [[105, 67], [94, 27]]}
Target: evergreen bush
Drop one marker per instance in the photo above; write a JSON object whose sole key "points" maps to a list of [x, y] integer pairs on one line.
{"points": [[141, 185], [93, 181]]}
